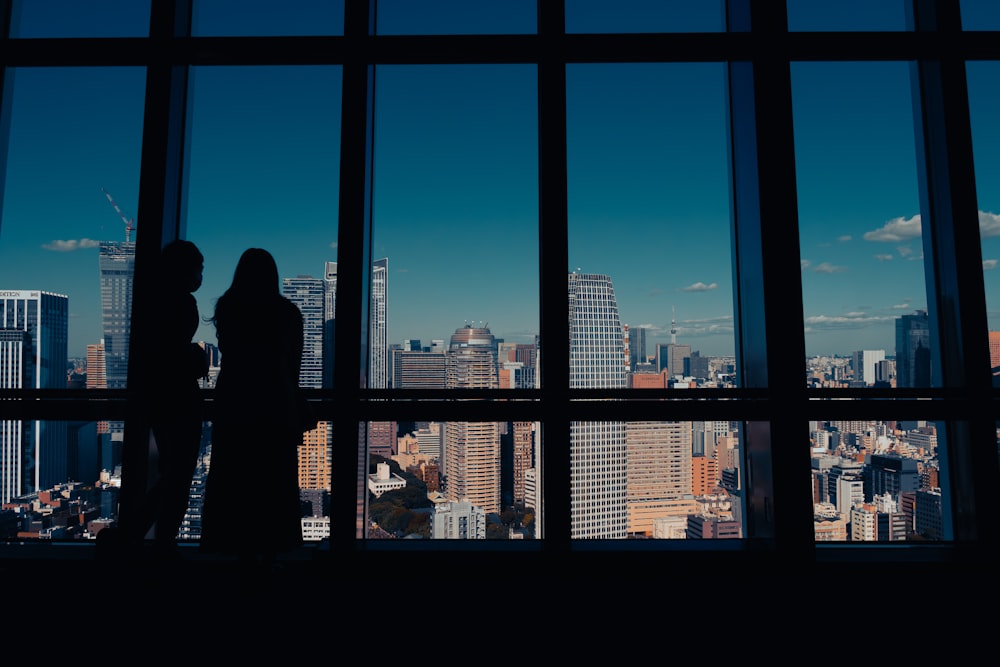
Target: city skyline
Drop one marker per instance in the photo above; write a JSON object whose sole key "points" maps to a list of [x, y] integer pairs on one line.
{"points": [[455, 205]]}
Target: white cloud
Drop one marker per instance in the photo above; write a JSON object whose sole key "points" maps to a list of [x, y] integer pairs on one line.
{"points": [[883, 257], [804, 264], [827, 267], [897, 229], [989, 264], [989, 224], [845, 238], [70, 245], [700, 287]]}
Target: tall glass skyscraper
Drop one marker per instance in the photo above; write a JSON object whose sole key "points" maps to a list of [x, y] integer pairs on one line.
{"points": [[117, 266], [598, 477], [34, 334], [309, 294], [913, 350]]}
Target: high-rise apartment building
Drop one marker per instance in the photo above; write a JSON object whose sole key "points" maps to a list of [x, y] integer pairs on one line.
{"points": [[913, 351], [472, 449], [598, 480], [309, 294], [34, 334]]}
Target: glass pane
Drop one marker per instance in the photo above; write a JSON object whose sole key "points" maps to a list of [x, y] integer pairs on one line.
{"points": [[863, 285], [454, 301], [456, 17], [80, 18], [79, 469], [648, 158], [843, 15], [651, 303], [75, 137], [980, 15], [266, 18], [984, 110], [630, 16], [876, 481], [264, 150]]}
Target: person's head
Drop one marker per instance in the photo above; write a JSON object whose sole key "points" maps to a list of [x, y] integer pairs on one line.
{"points": [[256, 273], [182, 265]]}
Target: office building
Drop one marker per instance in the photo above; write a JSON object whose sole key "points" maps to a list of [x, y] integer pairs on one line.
{"points": [[309, 294], [913, 350], [865, 364], [472, 448], [116, 262], [329, 321], [598, 472], [378, 344], [34, 329], [658, 468]]}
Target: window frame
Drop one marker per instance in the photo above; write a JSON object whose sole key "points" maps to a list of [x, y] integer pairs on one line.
{"points": [[759, 49]]}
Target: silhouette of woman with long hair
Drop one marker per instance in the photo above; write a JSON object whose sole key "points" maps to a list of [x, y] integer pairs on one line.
{"points": [[251, 507], [174, 404]]}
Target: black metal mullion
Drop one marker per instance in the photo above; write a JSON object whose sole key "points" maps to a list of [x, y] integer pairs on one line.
{"points": [[955, 284]]}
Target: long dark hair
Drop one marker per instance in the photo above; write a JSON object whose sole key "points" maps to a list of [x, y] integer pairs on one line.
{"points": [[255, 279]]}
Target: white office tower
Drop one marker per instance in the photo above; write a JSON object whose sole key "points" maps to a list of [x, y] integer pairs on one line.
{"points": [[330, 321], [309, 294], [34, 330], [865, 363], [472, 449], [597, 449]]}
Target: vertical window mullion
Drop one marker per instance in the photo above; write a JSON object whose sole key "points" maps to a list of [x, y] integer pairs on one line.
{"points": [[770, 346], [955, 287], [553, 257], [354, 233]]}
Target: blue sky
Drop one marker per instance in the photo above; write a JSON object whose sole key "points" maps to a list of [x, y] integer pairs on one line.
{"points": [[455, 206]]}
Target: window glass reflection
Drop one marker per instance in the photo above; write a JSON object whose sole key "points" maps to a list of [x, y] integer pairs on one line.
{"points": [[79, 18], [863, 289], [984, 110]]}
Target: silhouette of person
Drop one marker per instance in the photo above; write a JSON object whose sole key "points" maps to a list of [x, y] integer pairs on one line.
{"points": [[175, 400], [251, 508]]}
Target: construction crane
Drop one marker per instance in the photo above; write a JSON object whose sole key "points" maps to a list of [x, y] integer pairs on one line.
{"points": [[129, 222]]}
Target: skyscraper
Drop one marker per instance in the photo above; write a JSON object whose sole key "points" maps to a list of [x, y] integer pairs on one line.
{"points": [[330, 321], [309, 294], [597, 449], [913, 352], [117, 265], [378, 345], [34, 334], [472, 449]]}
